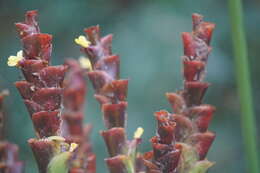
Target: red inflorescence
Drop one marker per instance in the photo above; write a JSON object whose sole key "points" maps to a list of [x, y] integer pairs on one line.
{"points": [[111, 92], [188, 126], [9, 153], [73, 128], [9, 161], [42, 88], [182, 138]]}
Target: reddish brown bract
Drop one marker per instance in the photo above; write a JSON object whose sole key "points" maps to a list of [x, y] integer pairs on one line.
{"points": [[182, 138], [73, 129], [9, 153], [9, 161], [42, 88], [186, 130], [111, 92]]}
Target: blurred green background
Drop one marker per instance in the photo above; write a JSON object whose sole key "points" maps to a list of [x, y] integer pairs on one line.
{"points": [[147, 36]]}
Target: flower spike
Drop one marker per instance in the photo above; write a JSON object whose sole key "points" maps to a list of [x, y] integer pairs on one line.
{"points": [[41, 90], [111, 93], [183, 139], [9, 153], [74, 130]]}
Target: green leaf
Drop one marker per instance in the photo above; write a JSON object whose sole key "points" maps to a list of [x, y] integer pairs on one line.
{"points": [[189, 157], [129, 164], [59, 163], [201, 167]]}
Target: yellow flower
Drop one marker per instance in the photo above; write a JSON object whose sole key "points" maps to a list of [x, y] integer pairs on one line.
{"points": [[85, 63], [59, 163], [139, 132], [73, 146], [82, 41], [56, 138], [14, 60]]}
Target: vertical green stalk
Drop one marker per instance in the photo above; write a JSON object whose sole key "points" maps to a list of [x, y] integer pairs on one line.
{"points": [[244, 85]]}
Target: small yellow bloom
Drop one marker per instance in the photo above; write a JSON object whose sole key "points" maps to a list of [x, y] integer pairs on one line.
{"points": [[56, 138], [82, 41], [139, 132], [58, 142], [85, 63], [14, 60], [73, 146]]}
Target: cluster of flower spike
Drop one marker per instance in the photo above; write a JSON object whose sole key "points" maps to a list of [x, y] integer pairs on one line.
{"points": [[9, 161], [111, 93], [74, 95], [183, 139]]}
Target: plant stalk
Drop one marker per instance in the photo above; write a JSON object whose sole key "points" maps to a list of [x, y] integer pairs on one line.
{"points": [[244, 85]]}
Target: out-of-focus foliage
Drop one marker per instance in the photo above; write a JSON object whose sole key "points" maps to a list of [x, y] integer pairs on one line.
{"points": [[147, 36]]}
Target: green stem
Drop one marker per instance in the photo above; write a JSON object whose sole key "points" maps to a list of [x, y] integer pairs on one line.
{"points": [[244, 85]]}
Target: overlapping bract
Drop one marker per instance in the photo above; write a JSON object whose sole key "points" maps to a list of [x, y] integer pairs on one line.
{"points": [[9, 153], [73, 129], [183, 139], [111, 92], [42, 88], [9, 161]]}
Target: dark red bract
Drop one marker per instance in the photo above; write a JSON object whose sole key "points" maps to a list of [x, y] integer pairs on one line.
{"points": [[187, 129]]}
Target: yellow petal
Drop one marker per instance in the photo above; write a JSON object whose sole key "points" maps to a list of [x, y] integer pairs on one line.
{"points": [[19, 54], [56, 138], [13, 61], [73, 146], [85, 63], [139, 132], [82, 41]]}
